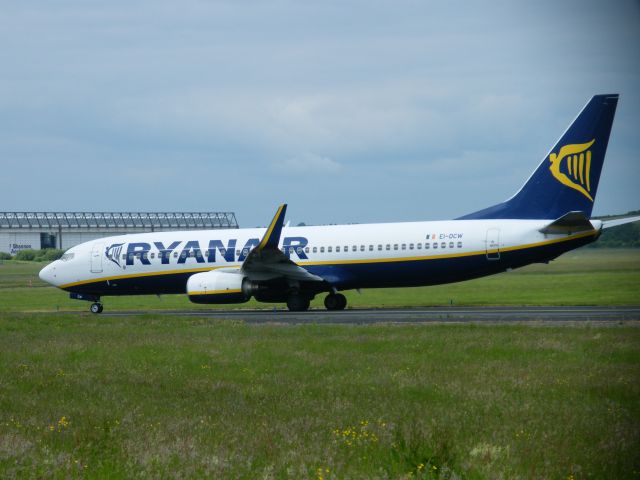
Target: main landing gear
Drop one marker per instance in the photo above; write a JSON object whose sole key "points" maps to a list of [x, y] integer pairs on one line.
{"points": [[96, 307], [335, 301], [298, 303]]}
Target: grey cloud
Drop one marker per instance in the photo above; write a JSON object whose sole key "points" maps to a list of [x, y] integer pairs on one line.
{"points": [[195, 98]]}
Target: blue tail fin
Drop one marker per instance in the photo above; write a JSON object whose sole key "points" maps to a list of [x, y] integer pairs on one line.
{"points": [[567, 179]]}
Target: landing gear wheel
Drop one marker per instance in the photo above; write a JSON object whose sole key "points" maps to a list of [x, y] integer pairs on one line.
{"points": [[96, 307], [335, 301], [298, 303]]}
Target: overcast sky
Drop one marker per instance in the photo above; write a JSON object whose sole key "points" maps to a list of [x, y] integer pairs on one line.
{"points": [[349, 111]]}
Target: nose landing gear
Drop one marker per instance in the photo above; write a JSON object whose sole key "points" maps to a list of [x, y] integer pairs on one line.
{"points": [[96, 307]]}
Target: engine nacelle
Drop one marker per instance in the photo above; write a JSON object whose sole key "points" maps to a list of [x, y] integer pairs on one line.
{"points": [[217, 287]]}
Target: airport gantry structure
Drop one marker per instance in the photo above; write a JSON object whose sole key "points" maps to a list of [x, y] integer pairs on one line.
{"points": [[37, 230]]}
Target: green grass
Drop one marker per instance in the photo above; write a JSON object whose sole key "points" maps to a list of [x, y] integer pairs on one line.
{"points": [[86, 396], [100, 397], [582, 277]]}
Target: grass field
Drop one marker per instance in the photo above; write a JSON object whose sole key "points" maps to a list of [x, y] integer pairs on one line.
{"points": [[582, 277], [89, 396], [183, 397]]}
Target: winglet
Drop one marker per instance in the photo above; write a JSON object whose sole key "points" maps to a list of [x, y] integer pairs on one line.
{"points": [[272, 235]]}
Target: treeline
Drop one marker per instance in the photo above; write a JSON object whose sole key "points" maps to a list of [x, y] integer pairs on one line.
{"points": [[624, 236], [45, 255]]}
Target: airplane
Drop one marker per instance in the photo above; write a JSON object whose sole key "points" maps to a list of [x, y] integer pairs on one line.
{"points": [[547, 217]]}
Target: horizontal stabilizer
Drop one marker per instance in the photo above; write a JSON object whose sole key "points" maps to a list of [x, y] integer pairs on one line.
{"points": [[569, 223], [619, 221]]}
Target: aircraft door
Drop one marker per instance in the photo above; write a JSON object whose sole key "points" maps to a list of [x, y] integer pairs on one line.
{"points": [[96, 257], [493, 244]]}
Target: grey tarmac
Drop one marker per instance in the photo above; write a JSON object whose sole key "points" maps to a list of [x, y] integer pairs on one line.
{"points": [[357, 316]]}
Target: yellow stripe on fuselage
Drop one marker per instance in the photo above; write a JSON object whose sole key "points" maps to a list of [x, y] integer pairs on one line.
{"points": [[216, 292], [349, 262]]}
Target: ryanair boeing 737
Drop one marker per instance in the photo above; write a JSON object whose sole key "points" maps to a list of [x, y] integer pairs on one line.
{"points": [[548, 216]]}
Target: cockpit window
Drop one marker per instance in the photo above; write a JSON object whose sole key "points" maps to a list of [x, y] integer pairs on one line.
{"points": [[67, 256]]}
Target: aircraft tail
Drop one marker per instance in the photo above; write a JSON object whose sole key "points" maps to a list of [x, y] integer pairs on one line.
{"points": [[567, 179]]}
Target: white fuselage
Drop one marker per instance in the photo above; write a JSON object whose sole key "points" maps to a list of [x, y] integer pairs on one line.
{"points": [[316, 248]]}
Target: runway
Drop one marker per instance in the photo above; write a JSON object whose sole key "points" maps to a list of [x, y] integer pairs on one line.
{"points": [[516, 314]]}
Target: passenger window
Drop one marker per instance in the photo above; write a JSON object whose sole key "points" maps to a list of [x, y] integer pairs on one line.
{"points": [[426, 245], [362, 248], [306, 250], [124, 256], [459, 244], [245, 251], [153, 255], [450, 244], [435, 244], [379, 247], [411, 246], [443, 245], [354, 248], [237, 253], [338, 249], [346, 249], [321, 249], [175, 254], [183, 254], [388, 246], [404, 246], [418, 246], [329, 249], [371, 248], [395, 246]]}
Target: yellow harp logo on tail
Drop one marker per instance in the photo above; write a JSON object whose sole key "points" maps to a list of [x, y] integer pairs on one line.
{"points": [[576, 173]]}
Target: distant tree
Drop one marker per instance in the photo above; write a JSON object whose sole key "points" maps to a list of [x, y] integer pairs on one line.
{"points": [[26, 255], [45, 255], [5, 256], [623, 236], [49, 255]]}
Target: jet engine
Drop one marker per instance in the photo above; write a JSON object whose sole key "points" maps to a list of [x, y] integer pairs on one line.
{"points": [[217, 287]]}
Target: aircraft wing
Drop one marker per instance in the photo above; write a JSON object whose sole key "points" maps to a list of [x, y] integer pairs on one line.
{"points": [[619, 221], [267, 261]]}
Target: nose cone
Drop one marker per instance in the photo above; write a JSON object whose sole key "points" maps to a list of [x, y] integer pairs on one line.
{"points": [[48, 274]]}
